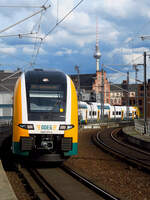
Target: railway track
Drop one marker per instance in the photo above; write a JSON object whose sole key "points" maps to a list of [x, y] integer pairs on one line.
{"points": [[109, 141], [62, 183]]}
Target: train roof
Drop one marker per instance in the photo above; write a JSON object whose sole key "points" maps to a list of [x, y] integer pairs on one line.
{"points": [[42, 76]]}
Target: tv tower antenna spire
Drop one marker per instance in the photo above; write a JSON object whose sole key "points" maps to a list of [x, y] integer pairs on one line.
{"points": [[97, 53]]}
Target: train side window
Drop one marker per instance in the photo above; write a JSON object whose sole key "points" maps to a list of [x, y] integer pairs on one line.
{"points": [[113, 113], [119, 112], [94, 113]]}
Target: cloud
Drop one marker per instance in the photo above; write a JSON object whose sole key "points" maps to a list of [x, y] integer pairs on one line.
{"points": [[63, 8], [122, 9], [10, 16], [119, 23], [30, 50], [78, 33], [117, 8], [65, 51], [7, 49], [130, 55]]}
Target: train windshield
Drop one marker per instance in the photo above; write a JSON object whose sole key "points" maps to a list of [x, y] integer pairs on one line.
{"points": [[46, 103]]}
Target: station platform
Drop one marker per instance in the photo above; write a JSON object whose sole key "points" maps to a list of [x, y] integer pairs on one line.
{"points": [[6, 191], [135, 137]]}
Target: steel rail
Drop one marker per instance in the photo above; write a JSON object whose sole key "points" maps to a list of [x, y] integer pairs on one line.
{"points": [[42, 189], [138, 161], [89, 184], [113, 135]]}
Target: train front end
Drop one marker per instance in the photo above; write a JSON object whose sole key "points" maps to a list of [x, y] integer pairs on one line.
{"points": [[45, 116]]}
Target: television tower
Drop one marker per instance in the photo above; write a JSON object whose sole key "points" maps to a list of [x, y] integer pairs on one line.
{"points": [[97, 53]]}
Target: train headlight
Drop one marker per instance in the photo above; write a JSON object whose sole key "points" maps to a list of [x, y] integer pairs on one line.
{"points": [[26, 126], [64, 127]]}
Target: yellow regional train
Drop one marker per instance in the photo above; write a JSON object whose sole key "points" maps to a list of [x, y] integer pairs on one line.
{"points": [[45, 116]]}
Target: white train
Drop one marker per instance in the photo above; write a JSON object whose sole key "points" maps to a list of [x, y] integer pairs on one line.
{"points": [[45, 116], [90, 112]]}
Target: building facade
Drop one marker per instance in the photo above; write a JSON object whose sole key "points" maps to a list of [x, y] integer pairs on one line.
{"points": [[101, 81], [83, 84], [91, 86], [116, 95], [123, 94]]}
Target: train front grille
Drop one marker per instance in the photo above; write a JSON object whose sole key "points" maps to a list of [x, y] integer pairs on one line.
{"points": [[46, 143]]}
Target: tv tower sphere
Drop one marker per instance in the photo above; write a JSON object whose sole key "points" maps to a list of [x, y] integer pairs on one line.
{"points": [[97, 53], [97, 56]]}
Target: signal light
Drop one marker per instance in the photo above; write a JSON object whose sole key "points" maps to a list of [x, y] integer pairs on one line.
{"points": [[26, 126]]}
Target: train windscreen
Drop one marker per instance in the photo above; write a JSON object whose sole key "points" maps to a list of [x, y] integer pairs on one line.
{"points": [[46, 103]]}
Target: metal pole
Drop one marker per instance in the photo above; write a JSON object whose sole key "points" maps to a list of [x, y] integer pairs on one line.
{"points": [[145, 97], [78, 81], [102, 95], [136, 71], [136, 96], [128, 96]]}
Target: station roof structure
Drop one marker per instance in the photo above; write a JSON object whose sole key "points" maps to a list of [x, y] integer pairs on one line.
{"points": [[8, 80]]}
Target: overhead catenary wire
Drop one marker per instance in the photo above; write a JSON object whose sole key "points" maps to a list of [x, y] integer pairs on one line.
{"points": [[19, 22], [27, 35], [24, 35], [20, 6], [20, 36], [119, 87], [116, 70], [132, 38], [52, 29], [36, 54], [44, 5], [57, 23], [12, 75], [60, 21], [35, 51], [123, 73], [8, 77], [37, 43], [4, 87], [57, 12], [128, 64]]}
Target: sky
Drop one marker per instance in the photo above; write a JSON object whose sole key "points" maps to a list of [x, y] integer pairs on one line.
{"points": [[61, 34]]}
